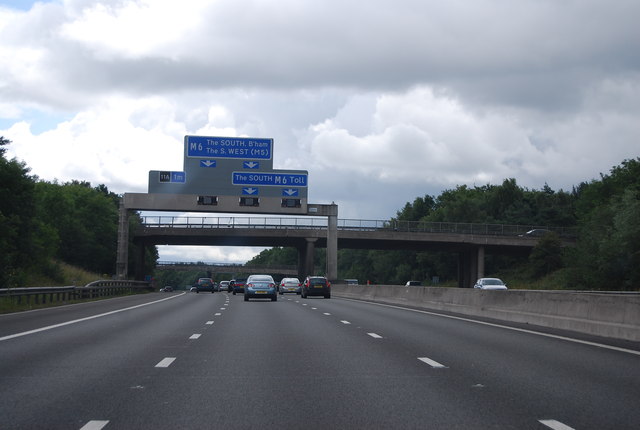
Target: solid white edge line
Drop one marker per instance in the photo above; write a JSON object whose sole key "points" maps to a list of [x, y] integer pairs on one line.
{"points": [[166, 362], [555, 425], [94, 425], [375, 336], [432, 363], [38, 330], [522, 330]]}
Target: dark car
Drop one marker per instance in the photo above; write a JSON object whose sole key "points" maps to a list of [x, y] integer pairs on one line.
{"points": [[237, 285], [316, 286], [205, 284], [260, 286]]}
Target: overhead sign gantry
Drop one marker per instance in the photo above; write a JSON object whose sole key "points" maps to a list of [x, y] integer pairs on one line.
{"points": [[232, 174]]}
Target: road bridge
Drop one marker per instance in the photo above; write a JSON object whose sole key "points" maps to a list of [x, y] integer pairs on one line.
{"points": [[227, 268], [470, 241]]}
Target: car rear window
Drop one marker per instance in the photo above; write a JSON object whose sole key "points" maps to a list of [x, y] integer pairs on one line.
{"points": [[317, 281]]}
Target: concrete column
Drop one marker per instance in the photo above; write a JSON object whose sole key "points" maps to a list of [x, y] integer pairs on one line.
{"points": [[302, 259], [122, 254], [332, 243], [140, 269], [309, 255], [480, 264]]}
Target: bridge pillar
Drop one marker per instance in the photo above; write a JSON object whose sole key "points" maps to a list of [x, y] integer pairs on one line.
{"points": [[470, 266], [122, 254], [309, 254], [332, 243]]}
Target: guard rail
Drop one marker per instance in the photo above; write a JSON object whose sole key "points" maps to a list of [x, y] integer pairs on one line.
{"points": [[96, 289]]}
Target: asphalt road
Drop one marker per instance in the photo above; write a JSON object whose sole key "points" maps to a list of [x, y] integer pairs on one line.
{"points": [[213, 361]]}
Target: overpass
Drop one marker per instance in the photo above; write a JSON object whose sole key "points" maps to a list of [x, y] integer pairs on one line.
{"points": [[227, 268], [470, 241]]}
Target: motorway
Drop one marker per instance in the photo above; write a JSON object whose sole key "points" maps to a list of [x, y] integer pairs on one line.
{"points": [[213, 361]]}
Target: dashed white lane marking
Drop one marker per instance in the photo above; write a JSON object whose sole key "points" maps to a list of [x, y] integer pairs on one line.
{"points": [[375, 336], [326, 313], [195, 336], [166, 362], [94, 425], [432, 363], [222, 309], [25, 333], [314, 309], [555, 425], [345, 322], [304, 304], [209, 322], [217, 314], [521, 330]]}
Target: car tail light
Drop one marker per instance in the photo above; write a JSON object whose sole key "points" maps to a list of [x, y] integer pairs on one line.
{"points": [[328, 284]]}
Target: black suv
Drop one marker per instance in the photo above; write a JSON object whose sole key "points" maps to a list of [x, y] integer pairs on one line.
{"points": [[316, 286], [237, 285]]}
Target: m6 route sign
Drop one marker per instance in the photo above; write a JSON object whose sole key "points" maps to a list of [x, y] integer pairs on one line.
{"points": [[246, 148]]}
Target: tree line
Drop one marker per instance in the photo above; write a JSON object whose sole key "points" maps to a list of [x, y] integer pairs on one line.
{"points": [[605, 214], [43, 223]]}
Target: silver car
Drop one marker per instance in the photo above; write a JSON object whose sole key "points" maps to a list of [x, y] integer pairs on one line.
{"points": [[490, 284], [289, 285]]}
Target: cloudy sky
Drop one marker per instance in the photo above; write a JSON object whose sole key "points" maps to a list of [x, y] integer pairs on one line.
{"points": [[381, 101]]}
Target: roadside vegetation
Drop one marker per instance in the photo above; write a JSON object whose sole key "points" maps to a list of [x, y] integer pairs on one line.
{"points": [[48, 227]]}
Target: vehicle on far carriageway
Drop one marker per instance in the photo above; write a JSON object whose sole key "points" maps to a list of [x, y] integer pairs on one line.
{"points": [[490, 284]]}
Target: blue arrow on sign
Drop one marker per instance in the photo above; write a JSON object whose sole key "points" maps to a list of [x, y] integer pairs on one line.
{"points": [[290, 192], [207, 163], [251, 165], [250, 191]]}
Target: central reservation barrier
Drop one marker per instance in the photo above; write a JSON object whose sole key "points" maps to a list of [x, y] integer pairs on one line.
{"points": [[612, 315]]}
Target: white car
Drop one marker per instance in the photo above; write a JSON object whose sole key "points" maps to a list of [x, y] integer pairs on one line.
{"points": [[490, 284], [290, 285]]}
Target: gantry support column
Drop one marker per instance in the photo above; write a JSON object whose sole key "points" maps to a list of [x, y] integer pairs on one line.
{"points": [[332, 243], [122, 254], [470, 266]]}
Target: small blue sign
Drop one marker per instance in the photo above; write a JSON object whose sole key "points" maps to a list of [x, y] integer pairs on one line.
{"points": [[290, 192], [251, 165], [249, 148], [172, 177], [207, 163], [251, 191], [269, 179]]}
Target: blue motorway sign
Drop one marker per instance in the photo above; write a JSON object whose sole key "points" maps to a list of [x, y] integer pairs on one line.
{"points": [[173, 177], [246, 148], [251, 165], [269, 179], [207, 163]]}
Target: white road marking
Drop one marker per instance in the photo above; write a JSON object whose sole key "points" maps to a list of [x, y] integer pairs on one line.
{"points": [[209, 322], [25, 333], [555, 425], [345, 322], [375, 336], [166, 362], [432, 363], [217, 314], [314, 309], [94, 425], [222, 309], [326, 313], [521, 330], [195, 336]]}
